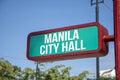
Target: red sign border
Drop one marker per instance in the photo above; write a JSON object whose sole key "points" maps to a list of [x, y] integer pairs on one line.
{"points": [[101, 51]]}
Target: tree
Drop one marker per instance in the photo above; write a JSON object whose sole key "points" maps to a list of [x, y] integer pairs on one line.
{"points": [[28, 74], [58, 72], [81, 76], [7, 71], [107, 78], [61, 72]]}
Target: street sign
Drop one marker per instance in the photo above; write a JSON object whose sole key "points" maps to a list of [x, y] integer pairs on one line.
{"points": [[79, 41]]}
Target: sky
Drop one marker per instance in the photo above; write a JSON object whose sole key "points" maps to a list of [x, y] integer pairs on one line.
{"points": [[20, 17]]}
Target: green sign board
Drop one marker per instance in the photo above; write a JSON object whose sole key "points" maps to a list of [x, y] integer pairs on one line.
{"points": [[63, 41]]}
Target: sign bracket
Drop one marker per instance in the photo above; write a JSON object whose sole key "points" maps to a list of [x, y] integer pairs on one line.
{"points": [[109, 38]]}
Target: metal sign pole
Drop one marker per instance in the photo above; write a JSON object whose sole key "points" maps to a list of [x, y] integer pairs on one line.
{"points": [[36, 70], [97, 20], [97, 58], [117, 36]]}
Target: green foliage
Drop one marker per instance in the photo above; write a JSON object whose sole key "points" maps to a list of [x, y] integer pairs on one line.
{"points": [[58, 72], [107, 78], [81, 76], [28, 74], [8, 71]]}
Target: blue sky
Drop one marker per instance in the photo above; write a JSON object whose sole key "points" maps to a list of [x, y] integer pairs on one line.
{"points": [[20, 17]]}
